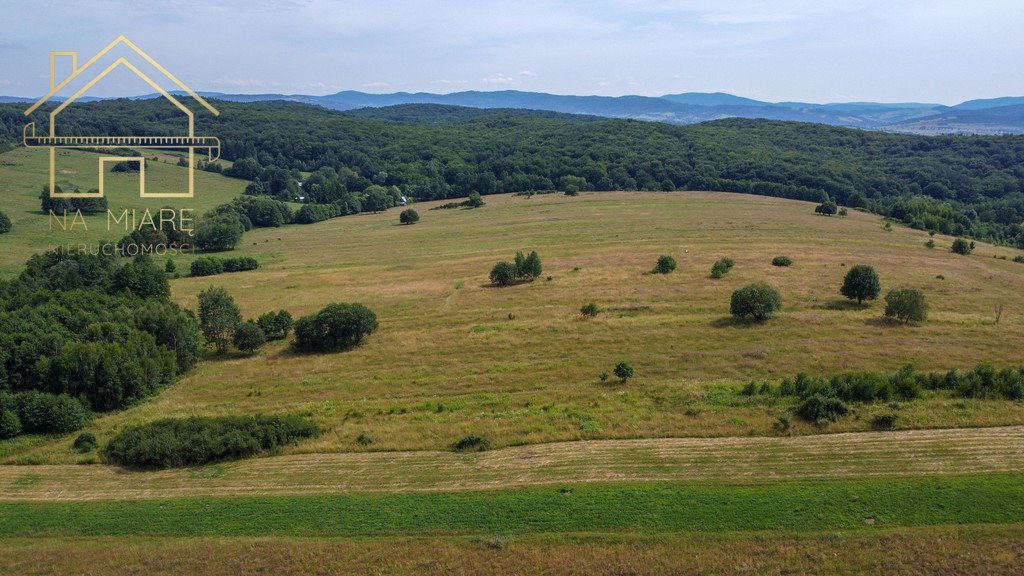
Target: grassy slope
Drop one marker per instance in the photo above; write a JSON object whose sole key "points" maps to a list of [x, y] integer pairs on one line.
{"points": [[24, 172], [447, 360]]}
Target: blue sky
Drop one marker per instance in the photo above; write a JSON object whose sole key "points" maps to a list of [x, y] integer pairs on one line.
{"points": [[818, 51]]}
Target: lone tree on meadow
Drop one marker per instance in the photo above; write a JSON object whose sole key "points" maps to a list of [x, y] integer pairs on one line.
{"points": [[962, 247], [828, 208], [861, 283], [758, 301], [218, 317], [408, 216], [664, 265], [337, 326], [906, 304], [623, 372], [503, 274]]}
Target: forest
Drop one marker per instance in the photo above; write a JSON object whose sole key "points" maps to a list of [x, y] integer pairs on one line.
{"points": [[960, 185]]}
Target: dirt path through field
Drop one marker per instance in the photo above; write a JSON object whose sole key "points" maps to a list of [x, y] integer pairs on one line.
{"points": [[755, 459]]}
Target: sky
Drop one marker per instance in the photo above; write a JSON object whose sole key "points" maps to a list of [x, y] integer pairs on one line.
{"points": [[940, 51]]}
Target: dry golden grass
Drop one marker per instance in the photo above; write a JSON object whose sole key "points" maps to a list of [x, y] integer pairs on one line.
{"points": [[716, 460], [978, 551], [448, 360]]}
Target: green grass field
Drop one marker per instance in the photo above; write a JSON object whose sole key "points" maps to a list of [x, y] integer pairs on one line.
{"points": [[594, 508], [678, 471], [24, 172]]}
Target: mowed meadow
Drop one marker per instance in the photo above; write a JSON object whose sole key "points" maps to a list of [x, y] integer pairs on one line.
{"points": [[454, 356]]}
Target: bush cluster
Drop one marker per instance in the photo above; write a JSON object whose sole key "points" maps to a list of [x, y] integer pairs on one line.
{"points": [[983, 381], [60, 206], [721, 267], [782, 261], [336, 327], [211, 265], [525, 268], [175, 442]]}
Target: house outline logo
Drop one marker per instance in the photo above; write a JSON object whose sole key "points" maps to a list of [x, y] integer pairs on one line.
{"points": [[189, 142]]}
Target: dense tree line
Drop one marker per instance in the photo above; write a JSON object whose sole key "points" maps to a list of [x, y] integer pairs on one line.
{"points": [[953, 184], [88, 330]]}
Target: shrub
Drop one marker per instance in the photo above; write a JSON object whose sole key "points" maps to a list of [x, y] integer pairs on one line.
{"points": [[861, 283], [85, 442], [409, 216], [472, 444], [218, 317], [589, 310], [193, 441], [240, 264], [170, 267], [474, 200], [827, 208], [782, 261], [758, 301], [206, 266], [364, 439], [276, 325], [249, 337], [961, 246], [883, 421], [603, 376], [10, 424], [503, 274], [336, 327], [930, 243], [5, 223], [665, 265], [1019, 258], [782, 424], [906, 304], [721, 267], [623, 371], [819, 409]]}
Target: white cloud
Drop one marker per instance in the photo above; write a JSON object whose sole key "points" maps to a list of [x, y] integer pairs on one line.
{"points": [[498, 79]]}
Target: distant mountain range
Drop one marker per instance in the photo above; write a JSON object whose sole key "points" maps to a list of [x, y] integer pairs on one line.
{"points": [[992, 116]]}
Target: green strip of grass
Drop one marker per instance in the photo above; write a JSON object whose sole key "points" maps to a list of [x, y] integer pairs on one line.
{"points": [[796, 506]]}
